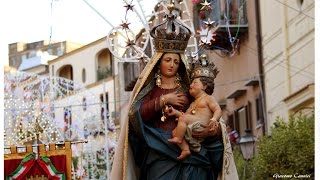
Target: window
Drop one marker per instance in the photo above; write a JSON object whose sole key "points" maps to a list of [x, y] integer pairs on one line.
{"points": [[83, 75], [222, 10], [243, 119], [12, 62], [67, 118], [112, 44], [59, 51], [230, 121], [259, 109], [84, 104], [102, 106]]}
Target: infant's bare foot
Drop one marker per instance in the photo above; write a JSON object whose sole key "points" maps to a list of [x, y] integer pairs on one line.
{"points": [[184, 154], [175, 140]]}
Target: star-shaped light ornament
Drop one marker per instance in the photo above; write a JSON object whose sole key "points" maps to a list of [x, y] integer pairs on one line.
{"points": [[125, 25], [129, 7], [142, 58], [206, 36], [205, 6], [209, 23], [130, 43]]}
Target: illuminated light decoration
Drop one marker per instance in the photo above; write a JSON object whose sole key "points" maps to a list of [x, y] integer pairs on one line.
{"points": [[206, 37], [205, 6], [32, 107], [209, 24], [129, 7], [123, 39], [125, 25]]}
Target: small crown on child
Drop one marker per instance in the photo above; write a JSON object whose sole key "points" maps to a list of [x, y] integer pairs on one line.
{"points": [[171, 35], [202, 68]]}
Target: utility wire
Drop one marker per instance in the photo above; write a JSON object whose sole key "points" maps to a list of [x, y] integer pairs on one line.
{"points": [[69, 106], [51, 15], [255, 52], [295, 9]]}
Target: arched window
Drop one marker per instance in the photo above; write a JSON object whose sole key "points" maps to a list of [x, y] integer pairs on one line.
{"points": [[83, 75], [66, 72], [104, 66]]}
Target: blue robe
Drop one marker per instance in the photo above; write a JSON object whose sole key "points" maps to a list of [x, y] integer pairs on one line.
{"points": [[157, 158]]}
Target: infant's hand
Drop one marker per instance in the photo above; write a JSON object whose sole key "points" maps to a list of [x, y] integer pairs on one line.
{"points": [[170, 111]]}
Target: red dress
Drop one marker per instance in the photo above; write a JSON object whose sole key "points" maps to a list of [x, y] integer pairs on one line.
{"points": [[151, 112]]}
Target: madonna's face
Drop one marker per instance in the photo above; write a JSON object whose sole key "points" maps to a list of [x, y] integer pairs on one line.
{"points": [[169, 64]]}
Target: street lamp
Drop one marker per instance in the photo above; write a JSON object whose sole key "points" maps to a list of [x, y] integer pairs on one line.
{"points": [[247, 143]]}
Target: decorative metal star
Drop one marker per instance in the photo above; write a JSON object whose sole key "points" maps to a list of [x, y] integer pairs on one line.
{"points": [[140, 58], [204, 43], [130, 43], [129, 7], [205, 6], [209, 23], [125, 25], [206, 36]]}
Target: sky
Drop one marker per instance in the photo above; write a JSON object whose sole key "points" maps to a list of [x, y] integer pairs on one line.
{"points": [[72, 20]]}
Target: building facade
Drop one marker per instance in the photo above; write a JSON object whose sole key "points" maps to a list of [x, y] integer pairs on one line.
{"points": [[19, 51], [95, 67], [288, 57], [235, 51]]}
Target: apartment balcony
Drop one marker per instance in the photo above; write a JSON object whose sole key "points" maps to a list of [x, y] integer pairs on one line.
{"points": [[230, 20]]}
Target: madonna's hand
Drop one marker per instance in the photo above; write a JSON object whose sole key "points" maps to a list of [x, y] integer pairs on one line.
{"points": [[176, 99]]}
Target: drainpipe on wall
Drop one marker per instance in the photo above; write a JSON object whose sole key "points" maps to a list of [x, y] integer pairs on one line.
{"points": [[261, 68], [285, 46]]}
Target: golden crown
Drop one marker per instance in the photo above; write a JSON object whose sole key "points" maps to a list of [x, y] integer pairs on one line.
{"points": [[203, 68], [171, 35]]}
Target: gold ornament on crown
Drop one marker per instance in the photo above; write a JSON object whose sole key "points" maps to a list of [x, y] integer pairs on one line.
{"points": [[203, 68], [171, 35]]}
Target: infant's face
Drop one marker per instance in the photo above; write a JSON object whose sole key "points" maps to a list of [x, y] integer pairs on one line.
{"points": [[196, 87]]}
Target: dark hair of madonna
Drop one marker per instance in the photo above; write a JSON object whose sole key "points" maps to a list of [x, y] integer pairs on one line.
{"points": [[209, 83]]}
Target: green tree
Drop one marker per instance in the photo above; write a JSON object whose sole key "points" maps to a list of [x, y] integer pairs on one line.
{"points": [[288, 151]]}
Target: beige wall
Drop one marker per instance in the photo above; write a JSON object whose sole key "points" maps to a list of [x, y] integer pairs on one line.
{"points": [[86, 58], [40, 70], [236, 71], [288, 43]]}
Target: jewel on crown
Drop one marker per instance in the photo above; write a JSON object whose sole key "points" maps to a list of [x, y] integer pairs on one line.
{"points": [[203, 68], [171, 35]]}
